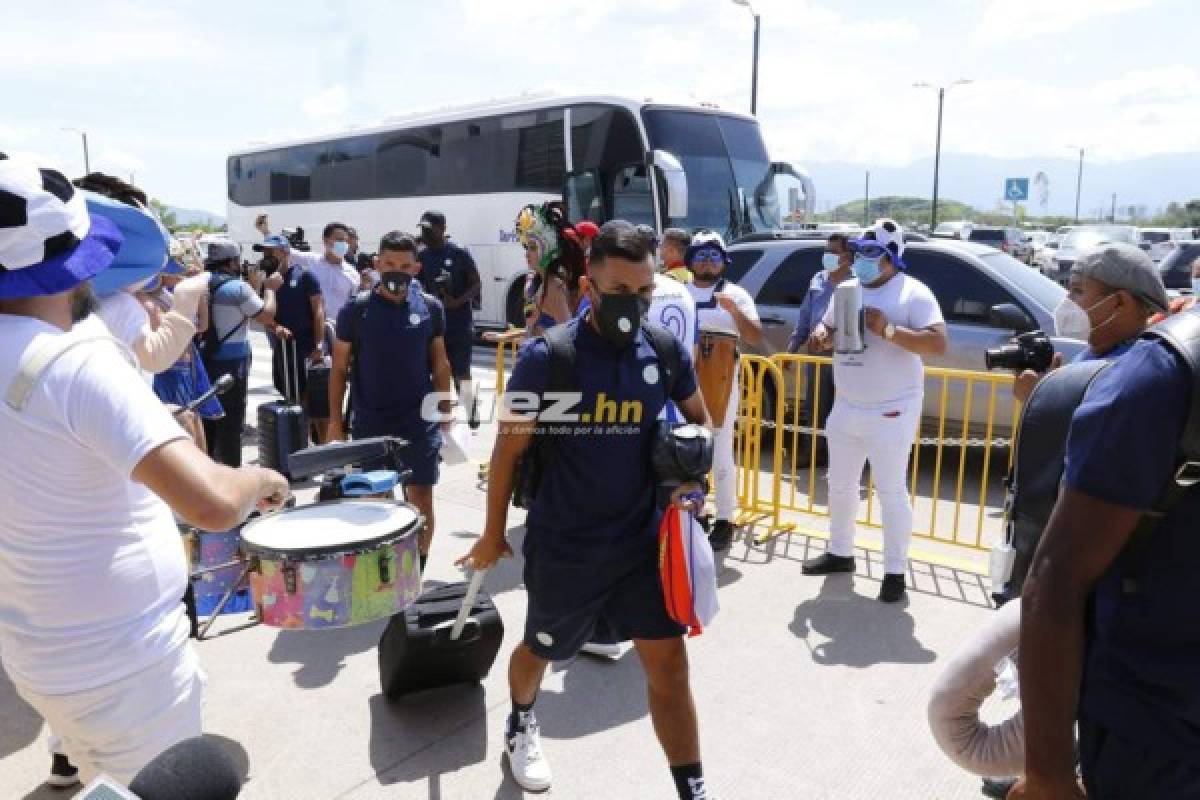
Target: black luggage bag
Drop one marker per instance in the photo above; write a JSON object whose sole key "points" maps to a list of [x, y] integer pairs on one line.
{"points": [[282, 425], [418, 650]]}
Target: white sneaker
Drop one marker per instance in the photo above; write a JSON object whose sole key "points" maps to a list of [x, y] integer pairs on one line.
{"points": [[530, 769], [602, 649]]}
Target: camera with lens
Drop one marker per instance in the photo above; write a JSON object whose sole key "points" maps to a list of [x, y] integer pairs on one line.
{"points": [[269, 265], [296, 239], [1032, 350]]}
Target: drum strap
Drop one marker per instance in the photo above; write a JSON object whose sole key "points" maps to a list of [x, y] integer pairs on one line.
{"points": [[41, 356], [711, 302]]}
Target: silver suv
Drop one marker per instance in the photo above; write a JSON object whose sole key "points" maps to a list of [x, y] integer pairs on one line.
{"points": [[985, 295]]}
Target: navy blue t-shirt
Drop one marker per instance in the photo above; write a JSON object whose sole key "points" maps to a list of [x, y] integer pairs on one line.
{"points": [[597, 494], [392, 371], [1142, 679], [458, 262], [294, 307]]}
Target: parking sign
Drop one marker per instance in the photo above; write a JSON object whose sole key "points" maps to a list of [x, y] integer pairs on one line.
{"points": [[1016, 190]]}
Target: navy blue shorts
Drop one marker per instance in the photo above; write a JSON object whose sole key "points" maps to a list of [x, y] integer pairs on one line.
{"points": [[421, 454], [568, 596], [458, 351]]}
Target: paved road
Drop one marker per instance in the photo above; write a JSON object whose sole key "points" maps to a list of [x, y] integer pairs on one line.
{"points": [[805, 688]]}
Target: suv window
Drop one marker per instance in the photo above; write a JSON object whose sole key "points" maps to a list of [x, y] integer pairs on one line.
{"points": [[790, 281], [988, 235], [742, 262], [964, 293]]}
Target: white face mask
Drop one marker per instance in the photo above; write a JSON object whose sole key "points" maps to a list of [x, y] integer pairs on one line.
{"points": [[1071, 321], [1196, 286]]}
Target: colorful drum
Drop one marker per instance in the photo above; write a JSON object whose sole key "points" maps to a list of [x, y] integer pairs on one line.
{"points": [[333, 565], [216, 564], [717, 370]]}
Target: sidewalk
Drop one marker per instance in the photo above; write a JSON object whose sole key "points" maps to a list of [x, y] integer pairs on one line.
{"points": [[806, 687]]}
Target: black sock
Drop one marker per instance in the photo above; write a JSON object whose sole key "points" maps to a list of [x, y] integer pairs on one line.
{"points": [[689, 781], [424, 561], [520, 714]]}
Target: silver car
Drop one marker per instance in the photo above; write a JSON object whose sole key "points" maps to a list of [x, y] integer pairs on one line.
{"points": [[985, 295], [1085, 238]]}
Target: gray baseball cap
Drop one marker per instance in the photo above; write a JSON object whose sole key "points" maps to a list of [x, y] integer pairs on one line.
{"points": [[1123, 266], [222, 251]]}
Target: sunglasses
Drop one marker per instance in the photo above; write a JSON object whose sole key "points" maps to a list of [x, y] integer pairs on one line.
{"points": [[870, 250], [710, 255]]}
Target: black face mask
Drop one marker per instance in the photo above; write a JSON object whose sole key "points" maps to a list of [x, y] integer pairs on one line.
{"points": [[619, 317], [83, 302], [397, 283]]}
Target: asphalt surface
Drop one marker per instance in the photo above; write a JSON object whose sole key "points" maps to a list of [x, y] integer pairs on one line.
{"points": [[805, 687]]}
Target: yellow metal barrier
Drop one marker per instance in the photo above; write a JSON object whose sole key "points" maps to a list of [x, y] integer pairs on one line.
{"points": [[967, 416], [506, 341]]}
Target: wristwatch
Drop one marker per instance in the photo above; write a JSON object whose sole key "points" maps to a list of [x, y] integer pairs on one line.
{"points": [[889, 331]]}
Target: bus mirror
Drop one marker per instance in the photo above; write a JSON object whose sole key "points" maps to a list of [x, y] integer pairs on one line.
{"points": [[807, 187], [676, 179]]}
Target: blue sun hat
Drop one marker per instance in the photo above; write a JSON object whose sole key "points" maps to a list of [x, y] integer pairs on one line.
{"points": [[144, 251], [49, 243]]}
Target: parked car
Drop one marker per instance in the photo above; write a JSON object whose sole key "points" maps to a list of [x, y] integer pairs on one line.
{"points": [[1008, 240], [1043, 259], [986, 297], [1160, 242], [1085, 237], [1177, 267], [957, 229]]}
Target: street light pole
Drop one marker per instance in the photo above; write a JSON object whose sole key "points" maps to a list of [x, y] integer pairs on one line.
{"points": [[1078, 182], [867, 201], [937, 152], [754, 69], [87, 164]]}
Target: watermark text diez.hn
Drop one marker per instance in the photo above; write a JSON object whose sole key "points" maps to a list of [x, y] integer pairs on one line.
{"points": [[561, 409]]}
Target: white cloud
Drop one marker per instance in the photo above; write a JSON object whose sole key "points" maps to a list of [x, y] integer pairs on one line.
{"points": [[329, 103], [119, 162], [1006, 20]]}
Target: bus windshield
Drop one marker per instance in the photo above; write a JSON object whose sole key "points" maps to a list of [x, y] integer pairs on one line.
{"points": [[731, 188]]}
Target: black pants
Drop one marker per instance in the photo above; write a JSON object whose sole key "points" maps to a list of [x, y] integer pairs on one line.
{"points": [[225, 435], [1115, 768]]}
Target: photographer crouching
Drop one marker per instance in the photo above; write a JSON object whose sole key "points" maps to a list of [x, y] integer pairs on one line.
{"points": [[1117, 288]]}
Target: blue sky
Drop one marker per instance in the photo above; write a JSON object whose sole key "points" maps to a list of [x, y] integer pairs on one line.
{"points": [[166, 90]]}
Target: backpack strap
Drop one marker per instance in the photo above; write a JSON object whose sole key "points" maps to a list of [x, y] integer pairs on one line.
{"points": [[711, 302], [357, 317], [1180, 333], [666, 350], [212, 344]]}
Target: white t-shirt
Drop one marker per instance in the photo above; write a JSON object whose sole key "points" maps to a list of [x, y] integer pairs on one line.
{"points": [[124, 316], [672, 307], [886, 373], [339, 283], [711, 315], [92, 566]]}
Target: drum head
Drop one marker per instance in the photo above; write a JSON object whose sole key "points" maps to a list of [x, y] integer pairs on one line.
{"points": [[319, 531], [718, 332]]}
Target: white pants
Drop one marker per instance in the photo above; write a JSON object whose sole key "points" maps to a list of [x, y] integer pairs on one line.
{"points": [[724, 468], [885, 438], [118, 728]]}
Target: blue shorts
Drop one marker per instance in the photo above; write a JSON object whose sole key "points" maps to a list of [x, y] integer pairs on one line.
{"points": [[421, 454], [568, 596]]}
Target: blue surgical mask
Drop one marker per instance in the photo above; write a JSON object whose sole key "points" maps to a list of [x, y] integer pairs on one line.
{"points": [[866, 269], [830, 262], [341, 248]]}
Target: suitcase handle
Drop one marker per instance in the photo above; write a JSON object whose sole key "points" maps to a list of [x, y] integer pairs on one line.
{"points": [[468, 602], [472, 631]]}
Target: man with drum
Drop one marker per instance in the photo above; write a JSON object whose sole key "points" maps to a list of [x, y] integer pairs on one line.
{"points": [[878, 405], [92, 630], [726, 315], [591, 548], [391, 347]]}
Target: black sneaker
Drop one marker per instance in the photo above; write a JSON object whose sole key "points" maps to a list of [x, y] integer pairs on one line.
{"points": [[828, 564], [722, 535], [62, 774], [996, 788], [892, 590]]}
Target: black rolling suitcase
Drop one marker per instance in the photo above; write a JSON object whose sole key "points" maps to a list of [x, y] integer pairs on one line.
{"points": [[418, 649], [317, 401], [282, 426]]}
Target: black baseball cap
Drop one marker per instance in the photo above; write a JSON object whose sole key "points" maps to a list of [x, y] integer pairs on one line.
{"points": [[432, 219]]}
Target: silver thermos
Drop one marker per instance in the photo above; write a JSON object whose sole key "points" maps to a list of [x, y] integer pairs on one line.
{"points": [[849, 335]]}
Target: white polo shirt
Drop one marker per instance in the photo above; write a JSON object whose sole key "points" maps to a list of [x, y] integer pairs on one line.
{"points": [[92, 567]]}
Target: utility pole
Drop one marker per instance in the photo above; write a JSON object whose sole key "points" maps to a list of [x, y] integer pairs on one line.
{"points": [[937, 152], [867, 201], [1078, 181], [1113, 217], [754, 71]]}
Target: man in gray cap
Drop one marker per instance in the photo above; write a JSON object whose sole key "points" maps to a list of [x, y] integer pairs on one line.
{"points": [[1119, 290]]}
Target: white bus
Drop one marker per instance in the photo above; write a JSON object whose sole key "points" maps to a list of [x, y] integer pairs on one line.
{"points": [[690, 166]]}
